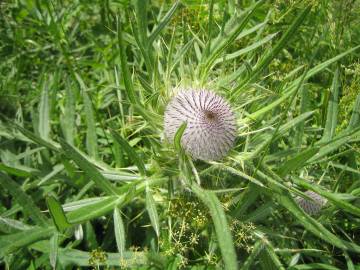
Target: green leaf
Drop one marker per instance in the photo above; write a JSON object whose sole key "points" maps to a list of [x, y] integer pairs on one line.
{"points": [[72, 257], [311, 266], [333, 144], [89, 169], [130, 151], [313, 225], [25, 201], [164, 22], [332, 109], [269, 260], [12, 242], [141, 19], [241, 174], [153, 214], [261, 212], [44, 112], [355, 116], [17, 171], [85, 210], [333, 197], [91, 137], [264, 138], [129, 87], [79, 258], [256, 250], [245, 50], [36, 139], [54, 248], [119, 232], [57, 214], [222, 230], [227, 41], [94, 210], [8, 225], [298, 161], [68, 121], [178, 135], [275, 50]]}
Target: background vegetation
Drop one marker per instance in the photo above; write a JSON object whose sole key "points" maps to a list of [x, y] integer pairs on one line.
{"points": [[87, 180]]}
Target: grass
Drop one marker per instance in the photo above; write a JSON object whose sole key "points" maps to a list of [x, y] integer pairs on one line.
{"points": [[87, 179]]}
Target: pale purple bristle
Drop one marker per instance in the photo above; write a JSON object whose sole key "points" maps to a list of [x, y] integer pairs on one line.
{"points": [[211, 127], [311, 207]]}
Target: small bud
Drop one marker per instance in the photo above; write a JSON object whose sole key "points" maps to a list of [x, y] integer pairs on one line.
{"points": [[311, 207]]}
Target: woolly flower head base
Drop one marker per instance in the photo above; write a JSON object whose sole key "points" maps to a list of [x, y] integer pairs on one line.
{"points": [[211, 127], [311, 207]]}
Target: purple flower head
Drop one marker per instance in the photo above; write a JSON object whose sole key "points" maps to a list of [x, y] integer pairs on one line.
{"points": [[211, 127], [311, 207]]}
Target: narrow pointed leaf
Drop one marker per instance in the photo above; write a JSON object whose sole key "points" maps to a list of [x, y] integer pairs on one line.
{"points": [[57, 214], [89, 169]]}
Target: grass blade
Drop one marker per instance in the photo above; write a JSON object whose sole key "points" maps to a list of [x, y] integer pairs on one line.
{"points": [[178, 135], [153, 214], [25, 201], [314, 226], [332, 109], [91, 137], [227, 41], [44, 112], [298, 161], [94, 210], [355, 116], [218, 216], [269, 260], [105, 205], [36, 139], [129, 87], [164, 22], [273, 52], [11, 243], [119, 232], [68, 122], [333, 197], [53, 250], [89, 169], [130, 151], [257, 249]]}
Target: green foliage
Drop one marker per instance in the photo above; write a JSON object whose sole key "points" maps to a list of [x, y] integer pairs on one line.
{"points": [[87, 178]]}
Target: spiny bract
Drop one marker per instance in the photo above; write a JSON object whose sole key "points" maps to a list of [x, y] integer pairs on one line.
{"points": [[311, 207], [211, 127]]}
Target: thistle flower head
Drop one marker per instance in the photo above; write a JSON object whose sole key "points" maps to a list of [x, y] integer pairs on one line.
{"points": [[311, 207], [211, 128]]}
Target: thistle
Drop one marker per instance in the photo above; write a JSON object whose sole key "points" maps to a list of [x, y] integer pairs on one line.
{"points": [[211, 127], [311, 207]]}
